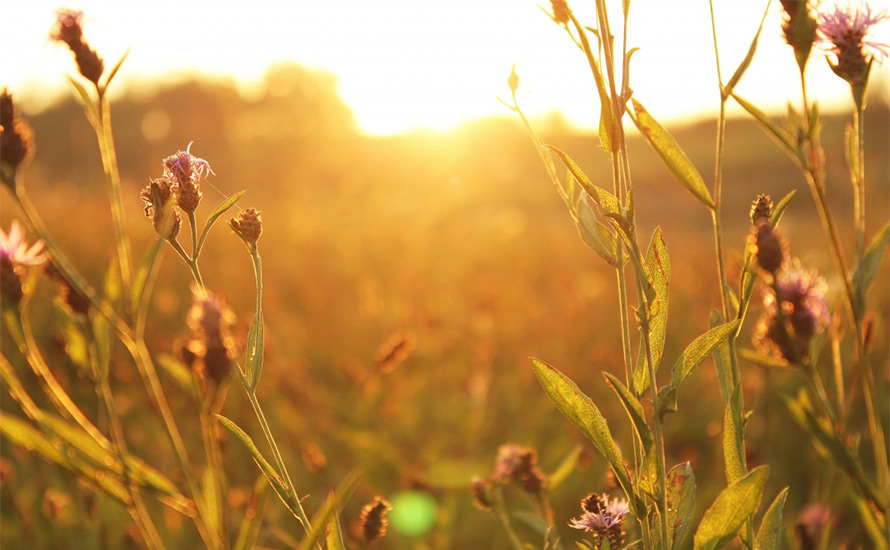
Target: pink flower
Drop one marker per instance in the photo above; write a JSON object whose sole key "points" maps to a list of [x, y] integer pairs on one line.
{"points": [[610, 514], [15, 250], [847, 29], [185, 169]]}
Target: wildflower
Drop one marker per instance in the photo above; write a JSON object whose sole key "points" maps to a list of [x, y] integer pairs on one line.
{"points": [[16, 137], [799, 29], [561, 11], [800, 298], [482, 495], [248, 225], [845, 32], [519, 464], [68, 29], [186, 172], [372, 520], [15, 255], [603, 517], [210, 346], [156, 196]]}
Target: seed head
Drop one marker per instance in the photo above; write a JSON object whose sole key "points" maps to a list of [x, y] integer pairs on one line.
{"points": [[799, 28], [248, 225], [16, 138], [372, 520], [69, 30], [561, 11], [210, 345]]}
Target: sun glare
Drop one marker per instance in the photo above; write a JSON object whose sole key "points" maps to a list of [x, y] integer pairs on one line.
{"points": [[404, 65]]}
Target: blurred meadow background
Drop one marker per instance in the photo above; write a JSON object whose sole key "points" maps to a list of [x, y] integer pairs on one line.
{"points": [[443, 234]]}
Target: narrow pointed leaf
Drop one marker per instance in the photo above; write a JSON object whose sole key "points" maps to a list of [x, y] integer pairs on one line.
{"points": [[633, 408], [229, 202], [267, 469], [731, 510], [772, 129], [693, 356], [769, 536], [331, 506], [113, 72], [565, 468], [581, 411], [735, 468], [607, 118], [85, 101], [659, 263], [671, 154], [255, 347], [607, 202], [743, 66], [680, 485], [333, 533], [780, 207], [872, 258]]}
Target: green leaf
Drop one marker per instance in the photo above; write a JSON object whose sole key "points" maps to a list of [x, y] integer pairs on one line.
{"points": [[871, 259], [115, 69], [680, 490], [333, 533], [731, 510], [763, 360], [581, 411], [85, 101], [722, 360], [781, 136], [565, 468], [735, 468], [255, 347], [779, 208], [626, 232], [743, 66], [331, 507], [217, 212], [633, 408], [596, 235], [178, 372], [693, 356], [659, 267], [607, 202], [769, 536], [673, 157], [267, 469], [607, 126]]}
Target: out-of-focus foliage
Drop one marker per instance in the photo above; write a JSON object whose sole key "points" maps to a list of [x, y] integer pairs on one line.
{"points": [[456, 241]]}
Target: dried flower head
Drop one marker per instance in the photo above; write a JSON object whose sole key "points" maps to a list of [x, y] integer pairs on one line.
{"points": [[210, 345], [69, 30], [372, 520], [761, 210], [519, 464], [16, 138], [769, 248], [845, 31], [483, 497], [156, 196], [561, 11], [604, 517], [248, 225], [792, 315], [799, 29]]}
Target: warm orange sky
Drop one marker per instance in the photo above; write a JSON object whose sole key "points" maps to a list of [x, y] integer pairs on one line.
{"points": [[407, 64]]}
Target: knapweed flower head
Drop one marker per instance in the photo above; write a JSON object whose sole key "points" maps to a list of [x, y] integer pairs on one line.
{"points": [[794, 312], [210, 348], [156, 196], [248, 225], [186, 172], [799, 29], [846, 31], [15, 255], [16, 137], [372, 520], [519, 464], [68, 29], [604, 517]]}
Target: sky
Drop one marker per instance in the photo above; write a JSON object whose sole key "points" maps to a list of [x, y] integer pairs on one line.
{"points": [[427, 64]]}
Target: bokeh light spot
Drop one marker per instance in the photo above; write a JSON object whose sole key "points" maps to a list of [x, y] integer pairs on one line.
{"points": [[413, 513]]}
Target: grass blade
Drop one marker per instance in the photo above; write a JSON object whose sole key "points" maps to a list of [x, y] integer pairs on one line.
{"points": [[230, 201]]}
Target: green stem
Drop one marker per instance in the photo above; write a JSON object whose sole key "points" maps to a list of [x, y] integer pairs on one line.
{"points": [[210, 433], [109, 164], [661, 469], [501, 514]]}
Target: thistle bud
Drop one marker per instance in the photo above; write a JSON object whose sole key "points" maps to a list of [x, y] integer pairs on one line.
{"points": [[248, 225], [16, 139], [68, 30], [372, 520], [761, 210], [770, 248]]}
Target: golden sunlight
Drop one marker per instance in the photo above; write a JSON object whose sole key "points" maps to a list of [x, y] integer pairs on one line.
{"points": [[404, 65]]}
